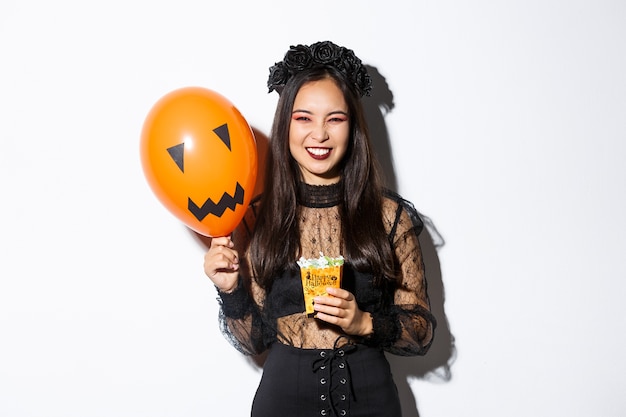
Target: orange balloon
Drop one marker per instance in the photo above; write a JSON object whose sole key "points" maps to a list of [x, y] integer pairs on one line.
{"points": [[199, 157]]}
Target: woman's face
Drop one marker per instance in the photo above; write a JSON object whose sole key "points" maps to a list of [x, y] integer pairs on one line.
{"points": [[319, 131]]}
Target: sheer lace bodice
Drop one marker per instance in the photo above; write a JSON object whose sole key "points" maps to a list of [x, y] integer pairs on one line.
{"points": [[252, 318]]}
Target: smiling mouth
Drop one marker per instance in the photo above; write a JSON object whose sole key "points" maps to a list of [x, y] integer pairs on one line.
{"points": [[318, 153]]}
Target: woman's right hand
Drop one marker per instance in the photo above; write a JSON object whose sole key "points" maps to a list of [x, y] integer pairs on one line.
{"points": [[221, 264]]}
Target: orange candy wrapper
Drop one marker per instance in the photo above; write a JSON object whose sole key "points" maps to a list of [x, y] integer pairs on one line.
{"points": [[317, 275]]}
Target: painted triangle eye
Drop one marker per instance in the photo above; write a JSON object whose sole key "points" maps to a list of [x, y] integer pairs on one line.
{"points": [[222, 133], [177, 152], [199, 157]]}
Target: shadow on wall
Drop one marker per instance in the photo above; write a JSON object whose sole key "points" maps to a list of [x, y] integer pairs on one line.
{"points": [[436, 364]]}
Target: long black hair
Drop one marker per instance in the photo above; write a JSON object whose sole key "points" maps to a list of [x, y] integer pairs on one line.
{"points": [[364, 237]]}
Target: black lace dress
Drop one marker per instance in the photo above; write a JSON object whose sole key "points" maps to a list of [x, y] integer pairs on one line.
{"points": [[313, 368]]}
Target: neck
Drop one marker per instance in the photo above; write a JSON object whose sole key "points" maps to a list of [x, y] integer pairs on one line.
{"points": [[320, 196]]}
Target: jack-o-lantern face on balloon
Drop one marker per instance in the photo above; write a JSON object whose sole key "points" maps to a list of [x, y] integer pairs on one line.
{"points": [[200, 159]]}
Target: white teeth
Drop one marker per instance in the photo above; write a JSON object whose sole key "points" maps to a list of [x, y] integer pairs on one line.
{"points": [[318, 151]]}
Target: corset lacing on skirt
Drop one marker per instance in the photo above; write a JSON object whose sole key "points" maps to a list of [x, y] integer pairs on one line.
{"points": [[335, 378]]}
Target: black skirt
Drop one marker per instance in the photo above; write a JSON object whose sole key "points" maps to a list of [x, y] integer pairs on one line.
{"points": [[353, 380]]}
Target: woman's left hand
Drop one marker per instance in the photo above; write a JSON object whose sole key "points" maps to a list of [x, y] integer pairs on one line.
{"points": [[341, 309]]}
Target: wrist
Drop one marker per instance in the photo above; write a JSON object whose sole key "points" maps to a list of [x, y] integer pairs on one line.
{"points": [[368, 325], [230, 289], [227, 291]]}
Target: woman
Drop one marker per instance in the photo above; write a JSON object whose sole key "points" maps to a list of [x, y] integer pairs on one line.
{"points": [[323, 194]]}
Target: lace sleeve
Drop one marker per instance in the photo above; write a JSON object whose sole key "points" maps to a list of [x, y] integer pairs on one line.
{"points": [[408, 326], [240, 310]]}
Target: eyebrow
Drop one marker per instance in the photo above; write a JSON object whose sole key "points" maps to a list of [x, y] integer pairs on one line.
{"points": [[329, 114]]}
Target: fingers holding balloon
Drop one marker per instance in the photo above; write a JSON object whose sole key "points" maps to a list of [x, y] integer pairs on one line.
{"points": [[221, 263], [222, 256]]}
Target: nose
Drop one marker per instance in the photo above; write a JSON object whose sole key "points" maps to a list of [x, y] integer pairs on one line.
{"points": [[320, 133]]}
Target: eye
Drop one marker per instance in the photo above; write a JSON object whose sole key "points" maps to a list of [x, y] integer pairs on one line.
{"points": [[301, 117], [337, 119]]}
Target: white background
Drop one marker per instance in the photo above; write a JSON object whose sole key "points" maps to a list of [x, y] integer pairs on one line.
{"points": [[507, 129]]}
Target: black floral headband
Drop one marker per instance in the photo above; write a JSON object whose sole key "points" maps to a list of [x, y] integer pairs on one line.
{"points": [[302, 57]]}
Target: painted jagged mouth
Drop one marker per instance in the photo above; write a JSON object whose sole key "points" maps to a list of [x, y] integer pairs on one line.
{"points": [[227, 201]]}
